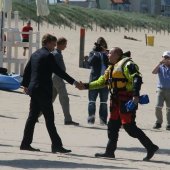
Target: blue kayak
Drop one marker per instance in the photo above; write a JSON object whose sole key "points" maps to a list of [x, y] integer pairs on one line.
{"points": [[10, 82]]}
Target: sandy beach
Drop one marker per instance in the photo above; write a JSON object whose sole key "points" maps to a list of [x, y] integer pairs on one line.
{"points": [[86, 140]]}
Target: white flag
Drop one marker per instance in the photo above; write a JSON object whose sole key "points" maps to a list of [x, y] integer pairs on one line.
{"points": [[42, 8], [7, 5]]}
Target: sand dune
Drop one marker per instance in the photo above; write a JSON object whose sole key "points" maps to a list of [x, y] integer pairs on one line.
{"points": [[86, 140]]}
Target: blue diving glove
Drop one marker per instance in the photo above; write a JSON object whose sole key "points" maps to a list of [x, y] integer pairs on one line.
{"points": [[144, 99], [130, 105]]}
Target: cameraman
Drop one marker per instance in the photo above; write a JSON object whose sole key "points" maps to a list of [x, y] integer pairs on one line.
{"points": [[98, 62]]}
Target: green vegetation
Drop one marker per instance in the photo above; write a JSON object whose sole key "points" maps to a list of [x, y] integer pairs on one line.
{"points": [[70, 16]]}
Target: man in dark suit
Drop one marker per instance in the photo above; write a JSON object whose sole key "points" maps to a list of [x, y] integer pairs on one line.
{"points": [[37, 83]]}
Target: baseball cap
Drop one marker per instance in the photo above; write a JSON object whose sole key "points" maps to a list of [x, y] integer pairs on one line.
{"points": [[166, 53]]}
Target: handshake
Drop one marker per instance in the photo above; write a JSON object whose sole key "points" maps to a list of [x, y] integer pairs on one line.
{"points": [[81, 86], [131, 105]]}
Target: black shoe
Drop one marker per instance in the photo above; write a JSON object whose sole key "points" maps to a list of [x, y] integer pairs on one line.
{"points": [[151, 152], [157, 126], [71, 123], [104, 155], [168, 127], [60, 150], [29, 148]]}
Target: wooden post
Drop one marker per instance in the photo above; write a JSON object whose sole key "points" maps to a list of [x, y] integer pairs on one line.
{"points": [[82, 41]]}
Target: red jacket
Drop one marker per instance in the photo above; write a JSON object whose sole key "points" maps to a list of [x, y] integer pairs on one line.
{"points": [[26, 29]]}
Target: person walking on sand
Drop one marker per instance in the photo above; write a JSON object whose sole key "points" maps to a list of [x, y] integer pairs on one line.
{"points": [[163, 90], [37, 83], [25, 37], [59, 87], [124, 83]]}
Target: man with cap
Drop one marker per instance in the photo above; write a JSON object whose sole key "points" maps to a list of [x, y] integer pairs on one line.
{"points": [[163, 90], [25, 37]]}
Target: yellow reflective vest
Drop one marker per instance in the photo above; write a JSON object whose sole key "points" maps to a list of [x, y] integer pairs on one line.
{"points": [[117, 76]]}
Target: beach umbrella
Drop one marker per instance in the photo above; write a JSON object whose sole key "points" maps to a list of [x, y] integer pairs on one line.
{"points": [[42, 9]]}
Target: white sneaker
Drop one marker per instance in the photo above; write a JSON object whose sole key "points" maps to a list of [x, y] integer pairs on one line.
{"points": [[102, 122]]}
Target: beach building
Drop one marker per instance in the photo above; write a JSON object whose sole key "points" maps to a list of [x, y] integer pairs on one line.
{"points": [[146, 6], [165, 7]]}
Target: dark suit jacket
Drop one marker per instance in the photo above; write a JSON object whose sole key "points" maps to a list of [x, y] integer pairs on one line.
{"points": [[38, 72]]}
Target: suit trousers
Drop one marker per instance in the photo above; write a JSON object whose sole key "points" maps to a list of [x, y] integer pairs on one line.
{"points": [[59, 88], [40, 101]]}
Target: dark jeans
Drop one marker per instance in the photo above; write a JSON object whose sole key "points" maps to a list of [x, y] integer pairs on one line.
{"points": [[103, 95], [40, 102], [131, 129]]}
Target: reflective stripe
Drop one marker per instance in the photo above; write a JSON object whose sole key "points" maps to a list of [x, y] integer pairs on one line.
{"points": [[95, 102], [159, 107], [162, 107]]}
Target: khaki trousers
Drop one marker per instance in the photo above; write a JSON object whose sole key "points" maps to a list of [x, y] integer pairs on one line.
{"points": [[59, 88], [163, 96]]}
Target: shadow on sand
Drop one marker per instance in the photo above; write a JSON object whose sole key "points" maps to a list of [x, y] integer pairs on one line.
{"points": [[11, 91], [136, 149], [8, 117], [94, 127], [36, 164]]}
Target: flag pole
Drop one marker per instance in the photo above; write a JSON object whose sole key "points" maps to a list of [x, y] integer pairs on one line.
{"points": [[38, 23], [1, 38], [42, 10]]}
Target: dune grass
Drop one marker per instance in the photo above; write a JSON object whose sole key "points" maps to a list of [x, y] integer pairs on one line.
{"points": [[67, 15]]}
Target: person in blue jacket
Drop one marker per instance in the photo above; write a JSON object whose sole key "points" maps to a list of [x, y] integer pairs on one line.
{"points": [[98, 62]]}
